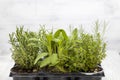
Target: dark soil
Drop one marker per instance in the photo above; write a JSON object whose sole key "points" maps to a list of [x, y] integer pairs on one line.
{"points": [[96, 69], [20, 70], [50, 70]]}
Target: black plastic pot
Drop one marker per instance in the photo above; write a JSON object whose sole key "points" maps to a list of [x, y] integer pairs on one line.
{"points": [[24, 76], [57, 76]]}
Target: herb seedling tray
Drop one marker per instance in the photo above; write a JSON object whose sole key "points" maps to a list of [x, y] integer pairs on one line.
{"points": [[56, 76]]}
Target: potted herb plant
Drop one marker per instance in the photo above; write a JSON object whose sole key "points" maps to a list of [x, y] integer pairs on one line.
{"points": [[57, 55], [23, 55]]}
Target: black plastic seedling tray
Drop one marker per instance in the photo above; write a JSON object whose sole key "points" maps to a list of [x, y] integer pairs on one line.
{"points": [[56, 76], [24, 76]]}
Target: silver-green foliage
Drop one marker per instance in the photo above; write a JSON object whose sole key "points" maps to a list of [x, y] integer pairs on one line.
{"points": [[23, 54], [85, 51]]}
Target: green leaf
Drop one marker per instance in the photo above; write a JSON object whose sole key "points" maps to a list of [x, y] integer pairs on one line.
{"points": [[58, 32], [57, 41], [53, 60], [41, 55], [75, 33], [61, 68], [49, 37], [48, 43], [45, 62]]}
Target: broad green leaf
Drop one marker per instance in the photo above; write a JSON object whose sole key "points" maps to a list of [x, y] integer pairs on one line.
{"points": [[45, 62], [58, 32], [54, 59], [41, 55]]}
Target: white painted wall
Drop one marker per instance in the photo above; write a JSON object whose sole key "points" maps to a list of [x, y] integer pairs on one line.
{"points": [[59, 13]]}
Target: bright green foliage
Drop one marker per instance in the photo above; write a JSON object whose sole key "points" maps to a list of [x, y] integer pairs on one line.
{"points": [[40, 56], [54, 47], [23, 54], [79, 51], [51, 60], [85, 51]]}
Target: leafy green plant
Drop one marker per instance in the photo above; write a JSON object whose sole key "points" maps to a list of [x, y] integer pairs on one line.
{"points": [[85, 50], [23, 54], [54, 47]]}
